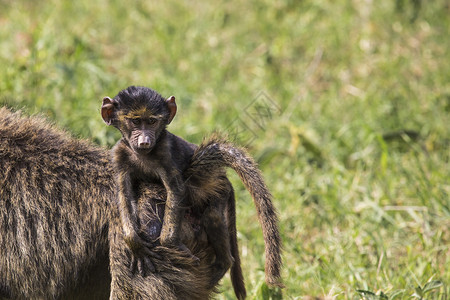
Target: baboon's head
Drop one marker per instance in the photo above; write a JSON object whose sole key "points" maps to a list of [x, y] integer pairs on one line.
{"points": [[141, 115]]}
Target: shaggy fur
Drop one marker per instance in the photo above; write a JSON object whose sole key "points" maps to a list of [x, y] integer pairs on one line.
{"points": [[56, 213], [195, 174], [213, 155], [54, 208], [176, 277], [59, 227]]}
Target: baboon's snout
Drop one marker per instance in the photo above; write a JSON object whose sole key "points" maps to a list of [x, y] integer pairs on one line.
{"points": [[144, 142]]}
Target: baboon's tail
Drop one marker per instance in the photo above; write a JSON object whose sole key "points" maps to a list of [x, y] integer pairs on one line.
{"points": [[216, 152], [237, 279]]}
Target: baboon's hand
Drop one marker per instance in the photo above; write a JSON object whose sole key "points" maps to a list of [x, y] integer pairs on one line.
{"points": [[180, 247], [141, 255], [186, 252]]}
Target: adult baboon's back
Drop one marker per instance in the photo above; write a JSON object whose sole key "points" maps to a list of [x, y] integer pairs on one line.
{"points": [[53, 209]]}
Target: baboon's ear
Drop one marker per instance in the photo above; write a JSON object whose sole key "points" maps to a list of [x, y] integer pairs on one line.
{"points": [[108, 110], [172, 108]]}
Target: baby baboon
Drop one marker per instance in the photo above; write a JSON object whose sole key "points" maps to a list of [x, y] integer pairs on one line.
{"points": [[146, 153], [191, 175], [57, 205]]}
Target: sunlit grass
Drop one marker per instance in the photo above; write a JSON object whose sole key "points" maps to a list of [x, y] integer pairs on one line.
{"points": [[356, 145]]}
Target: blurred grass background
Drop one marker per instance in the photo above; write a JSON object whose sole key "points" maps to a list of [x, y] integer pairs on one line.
{"points": [[344, 104]]}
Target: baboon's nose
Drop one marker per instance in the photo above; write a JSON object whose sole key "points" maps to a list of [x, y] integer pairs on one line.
{"points": [[144, 142]]}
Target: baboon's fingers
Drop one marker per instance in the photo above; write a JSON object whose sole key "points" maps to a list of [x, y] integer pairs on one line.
{"points": [[188, 253], [149, 252], [140, 267], [149, 265], [145, 243], [133, 264]]}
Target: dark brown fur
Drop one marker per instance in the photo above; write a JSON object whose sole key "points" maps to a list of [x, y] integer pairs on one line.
{"points": [[207, 170], [186, 170], [56, 196], [54, 208], [147, 153], [177, 277]]}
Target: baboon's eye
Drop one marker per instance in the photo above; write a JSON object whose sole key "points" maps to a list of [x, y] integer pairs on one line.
{"points": [[152, 121], [136, 121]]}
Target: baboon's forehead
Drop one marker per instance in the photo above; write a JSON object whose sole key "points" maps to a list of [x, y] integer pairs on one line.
{"points": [[140, 112]]}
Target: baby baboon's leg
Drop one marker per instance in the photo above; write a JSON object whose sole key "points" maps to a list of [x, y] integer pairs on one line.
{"points": [[214, 222]]}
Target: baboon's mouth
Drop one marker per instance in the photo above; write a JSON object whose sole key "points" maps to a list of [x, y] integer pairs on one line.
{"points": [[143, 151]]}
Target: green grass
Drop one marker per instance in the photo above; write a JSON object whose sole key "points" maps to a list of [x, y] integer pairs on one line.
{"points": [[355, 148]]}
